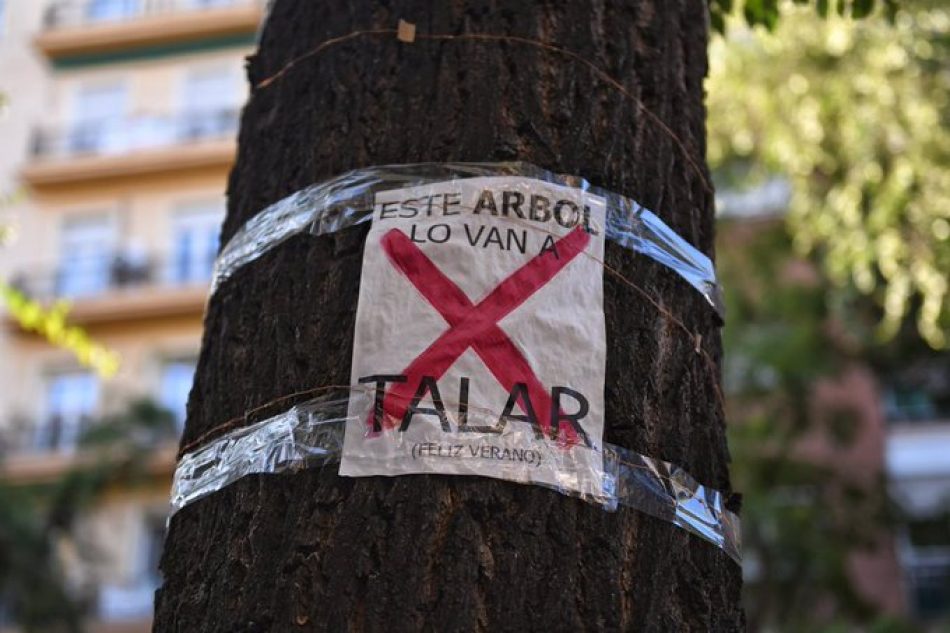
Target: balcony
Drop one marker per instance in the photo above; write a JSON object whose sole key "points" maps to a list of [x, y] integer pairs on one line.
{"points": [[928, 577], [140, 145], [924, 549], [92, 30], [917, 465], [41, 453], [123, 286]]}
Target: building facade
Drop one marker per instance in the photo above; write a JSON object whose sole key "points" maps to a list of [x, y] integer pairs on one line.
{"points": [[879, 422], [917, 408], [118, 127]]}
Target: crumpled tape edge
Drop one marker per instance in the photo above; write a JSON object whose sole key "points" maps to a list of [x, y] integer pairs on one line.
{"points": [[347, 200], [310, 435]]}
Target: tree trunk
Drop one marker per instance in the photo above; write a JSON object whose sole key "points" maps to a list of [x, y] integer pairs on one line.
{"points": [[314, 551]]}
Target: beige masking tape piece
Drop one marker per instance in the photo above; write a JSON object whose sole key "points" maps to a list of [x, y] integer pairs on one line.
{"points": [[406, 32]]}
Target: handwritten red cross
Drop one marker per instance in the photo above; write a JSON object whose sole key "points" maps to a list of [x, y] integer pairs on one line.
{"points": [[476, 325]]}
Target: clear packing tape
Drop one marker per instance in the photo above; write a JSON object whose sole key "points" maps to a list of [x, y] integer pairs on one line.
{"points": [[310, 435], [347, 200]]}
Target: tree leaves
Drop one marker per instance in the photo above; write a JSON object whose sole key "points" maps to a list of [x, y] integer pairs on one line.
{"points": [[802, 518], [766, 12], [850, 115]]}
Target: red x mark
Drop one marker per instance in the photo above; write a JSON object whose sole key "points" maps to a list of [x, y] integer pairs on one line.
{"points": [[476, 325]]}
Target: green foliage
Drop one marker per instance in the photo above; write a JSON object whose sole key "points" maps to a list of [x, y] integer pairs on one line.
{"points": [[50, 322], [136, 428], [31, 584], [767, 12], [37, 522], [802, 517], [856, 116]]}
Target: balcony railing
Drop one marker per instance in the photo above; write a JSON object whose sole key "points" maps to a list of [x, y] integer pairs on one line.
{"points": [[56, 433], [927, 571], [90, 277], [123, 136], [133, 601], [92, 12]]}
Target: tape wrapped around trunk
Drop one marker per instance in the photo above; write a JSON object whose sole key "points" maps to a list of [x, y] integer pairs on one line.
{"points": [[347, 200], [310, 435], [473, 438]]}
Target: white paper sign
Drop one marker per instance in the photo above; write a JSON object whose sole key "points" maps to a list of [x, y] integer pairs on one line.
{"points": [[480, 335]]}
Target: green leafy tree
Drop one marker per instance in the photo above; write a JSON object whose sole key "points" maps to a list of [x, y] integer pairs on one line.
{"points": [[38, 520], [855, 115], [803, 519], [767, 12]]}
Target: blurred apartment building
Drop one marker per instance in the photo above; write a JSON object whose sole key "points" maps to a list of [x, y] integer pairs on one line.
{"points": [[901, 407], [917, 410], [120, 128]]}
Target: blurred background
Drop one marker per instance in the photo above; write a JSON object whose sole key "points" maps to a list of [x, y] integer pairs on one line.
{"points": [[829, 137]]}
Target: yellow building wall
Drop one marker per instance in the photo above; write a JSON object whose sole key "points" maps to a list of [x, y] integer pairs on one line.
{"points": [[144, 206], [154, 87], [143, 209], [143, 348]]}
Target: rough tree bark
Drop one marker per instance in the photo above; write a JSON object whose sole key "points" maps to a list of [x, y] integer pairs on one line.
{"points": [[313, 551]]}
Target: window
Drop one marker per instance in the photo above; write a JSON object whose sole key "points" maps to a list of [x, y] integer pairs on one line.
{"points": [[927, 563], [86, 246], [6, 611], [195, 243], [70, 400], [210, 102], [153, 538], [109, 10], [99, 111], [210, 88], [177, 377], [3, 17], [208, 4], [918, 391], [134, 598], [908, 405], [930, 587]]}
